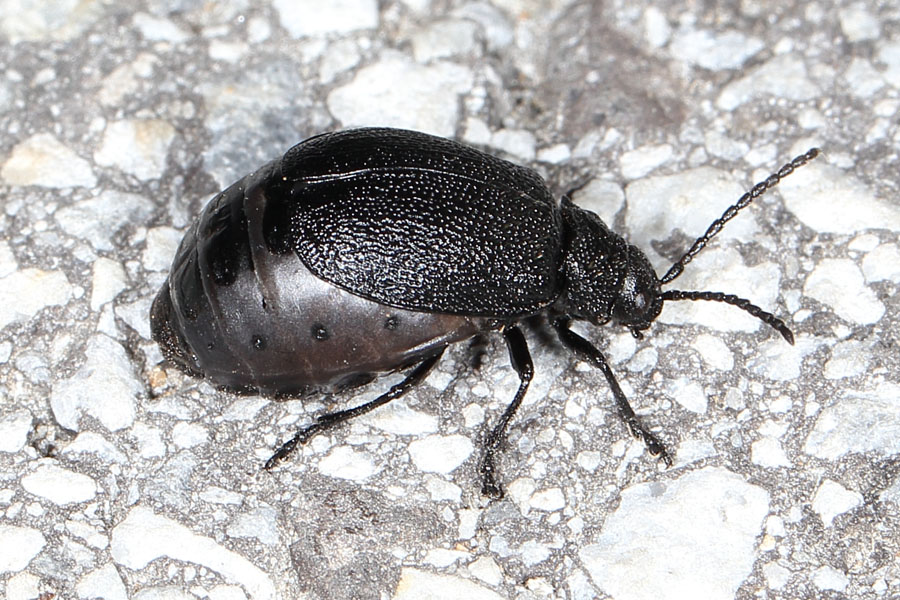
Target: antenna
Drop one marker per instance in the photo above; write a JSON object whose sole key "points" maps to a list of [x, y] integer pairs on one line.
{"points": [[715, 227]]}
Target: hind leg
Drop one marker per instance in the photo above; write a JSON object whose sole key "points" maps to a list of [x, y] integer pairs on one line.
{"points": [[327, 421]]}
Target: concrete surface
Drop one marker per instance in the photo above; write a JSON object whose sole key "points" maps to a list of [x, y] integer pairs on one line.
{"points": [[120, 478]]}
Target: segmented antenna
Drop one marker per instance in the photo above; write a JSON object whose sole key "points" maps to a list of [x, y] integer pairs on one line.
{"points": [[716, 226], [676, 269], [766, 317]]}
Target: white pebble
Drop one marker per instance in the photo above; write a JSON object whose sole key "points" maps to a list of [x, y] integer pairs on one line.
{"points": [[714, 352], [829, 578], [517, 142], [24, 293], [882, 263], [848, 359], [18, 545], [97, 220], [398, 92], [858, 24], [44, 161], [144, 536], [416, 584], [136, 146], [713, 50], [833, 499], [444, 38], [104, 582], [14, 428], [59, 485], [105, 387], [641, 161], [107, 281], [688, 394], [310, 17], [548, 500], [440, 453], [859, 421], [343, 462], [829, 200], [839, 284], [708, 512], [767, 452], [783, 76]]}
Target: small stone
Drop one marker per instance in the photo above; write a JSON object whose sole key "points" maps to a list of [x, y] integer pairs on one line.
{"points": [[59, 485], [98, 220], [47, 20], [108, 281], [708, 512], [713, 50], [688, 393], [517, 142], [346, 463], [858, 24], [105, 387], [144, 536], [829, 200], [25, 293], [260, 523], [44, 161], [136, 146], [767, 452], [14, 428], [832, 499], [641, 161], [398, 92], [783, 76], [882, 263], [839, 284], [416, 584], [439, 453], [548, 500], [860, 421], [18, 545], [304, 18], [104, 582], [714, 352], [829, 578], [444, 38]]}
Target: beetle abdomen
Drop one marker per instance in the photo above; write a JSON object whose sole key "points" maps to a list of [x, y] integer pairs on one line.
{"points": [[253, 318]]}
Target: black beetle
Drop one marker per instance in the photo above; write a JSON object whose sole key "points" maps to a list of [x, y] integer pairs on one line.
{"points": [[371, 250]]}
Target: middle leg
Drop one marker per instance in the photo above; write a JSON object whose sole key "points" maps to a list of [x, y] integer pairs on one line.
{"points": [[521, 362]]}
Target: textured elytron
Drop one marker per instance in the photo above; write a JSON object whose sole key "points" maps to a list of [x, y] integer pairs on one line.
{"points": [[424, 223]]}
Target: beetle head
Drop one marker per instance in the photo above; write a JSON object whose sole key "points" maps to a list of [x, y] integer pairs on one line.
{"points": [[638, 301], [605, 278]]}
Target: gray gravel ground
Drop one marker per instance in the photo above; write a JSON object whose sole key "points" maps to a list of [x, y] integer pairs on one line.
{"points": [[122, 478]]}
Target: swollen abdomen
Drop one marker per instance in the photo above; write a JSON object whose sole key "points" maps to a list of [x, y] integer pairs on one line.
{"points": [[251, 318]]}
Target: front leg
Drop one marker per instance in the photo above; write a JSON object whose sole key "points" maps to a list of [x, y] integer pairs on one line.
{"points": [[584, 350]]}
